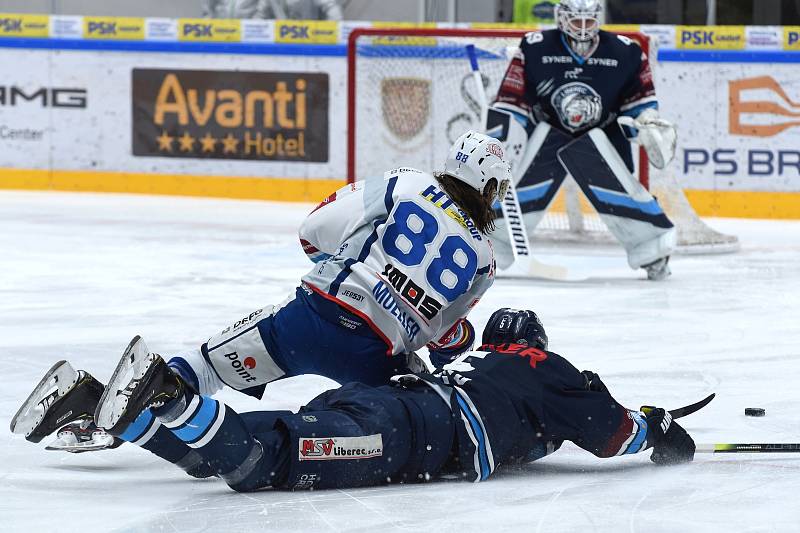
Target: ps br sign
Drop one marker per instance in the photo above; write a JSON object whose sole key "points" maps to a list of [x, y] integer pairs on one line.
{"points": [[212, 114]]}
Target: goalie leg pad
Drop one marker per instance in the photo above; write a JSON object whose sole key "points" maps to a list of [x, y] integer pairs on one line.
{"points": [[631, 213]]}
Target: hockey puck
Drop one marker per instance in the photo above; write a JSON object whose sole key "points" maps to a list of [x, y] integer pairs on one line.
{"points": [[754, 411]]}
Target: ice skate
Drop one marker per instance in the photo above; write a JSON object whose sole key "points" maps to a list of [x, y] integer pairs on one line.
{"points": [[658, 270], [140, 381], [63, 395]]}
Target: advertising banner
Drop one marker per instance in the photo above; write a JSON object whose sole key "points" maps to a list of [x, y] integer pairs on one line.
{"points": [[173, 114], [710, 37], [741, 129], [223, 114], [16, 25], [127, 28]]}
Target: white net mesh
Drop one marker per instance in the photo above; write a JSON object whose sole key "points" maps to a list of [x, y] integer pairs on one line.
{"points": [[415, 94]]}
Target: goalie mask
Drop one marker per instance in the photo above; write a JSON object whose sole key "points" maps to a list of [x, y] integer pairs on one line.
{"points": [[476, 159], [579, 19], [515, 327]]}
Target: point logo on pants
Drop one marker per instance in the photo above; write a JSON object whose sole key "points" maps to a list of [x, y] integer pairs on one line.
{"points": [[240, 368]]}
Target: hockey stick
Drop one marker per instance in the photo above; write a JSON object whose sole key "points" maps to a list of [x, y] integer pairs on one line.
{"points": [[524, 264], [748, 448], [685, 410]]}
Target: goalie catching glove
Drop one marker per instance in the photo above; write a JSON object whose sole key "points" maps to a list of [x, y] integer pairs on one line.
{"points": [[657, 136]]}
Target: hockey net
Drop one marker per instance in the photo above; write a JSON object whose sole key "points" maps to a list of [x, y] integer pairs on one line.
{"points": [[411, 93]]}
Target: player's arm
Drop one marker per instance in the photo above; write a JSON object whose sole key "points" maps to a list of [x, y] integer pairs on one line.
{"points": [[332, 221], [510, 116], [639, 115], [599, 424]]}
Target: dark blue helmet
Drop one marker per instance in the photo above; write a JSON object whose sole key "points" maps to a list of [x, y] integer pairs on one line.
{"points": [[516, 327]]}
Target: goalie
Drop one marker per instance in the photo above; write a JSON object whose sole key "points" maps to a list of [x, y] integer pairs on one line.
{"points": [[571, 101]]}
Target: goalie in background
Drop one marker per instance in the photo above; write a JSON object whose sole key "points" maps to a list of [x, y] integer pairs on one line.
{"points": [[571, 101]]}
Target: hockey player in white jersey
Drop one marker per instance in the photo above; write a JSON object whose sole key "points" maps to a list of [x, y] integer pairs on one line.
{"points": [[571, 101], [400, 261]]}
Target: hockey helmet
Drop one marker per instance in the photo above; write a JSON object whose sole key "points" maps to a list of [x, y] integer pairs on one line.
{"points": [[579, 19], [515, 326], [476, 159]]}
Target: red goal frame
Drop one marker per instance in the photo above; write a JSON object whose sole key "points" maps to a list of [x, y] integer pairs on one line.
{"points": [[640, 38]]}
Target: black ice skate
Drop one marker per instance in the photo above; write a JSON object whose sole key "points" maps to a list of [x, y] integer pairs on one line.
{"points": [[63, 395], [83, 436], [140, 381]]}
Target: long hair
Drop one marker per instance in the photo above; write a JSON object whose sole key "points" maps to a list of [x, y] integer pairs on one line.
{"points": [[478, 206]]}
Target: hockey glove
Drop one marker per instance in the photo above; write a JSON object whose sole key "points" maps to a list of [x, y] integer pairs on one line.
{"points": [[670, 442], [458, 339], [657, 136]]}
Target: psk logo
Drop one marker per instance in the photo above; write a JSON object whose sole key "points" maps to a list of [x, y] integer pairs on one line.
{"points": [[103, 28], [578, 106], [13, 25]]}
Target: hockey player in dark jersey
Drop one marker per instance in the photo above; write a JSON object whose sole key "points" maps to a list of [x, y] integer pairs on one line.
{"points": [[510, 401], [571, 101]]}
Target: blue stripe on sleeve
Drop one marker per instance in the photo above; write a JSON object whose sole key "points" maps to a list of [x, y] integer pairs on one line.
{"points": [[476, 428], [641, 435]]}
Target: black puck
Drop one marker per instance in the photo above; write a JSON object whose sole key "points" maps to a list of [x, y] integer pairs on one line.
{"points": [[754, 411]]}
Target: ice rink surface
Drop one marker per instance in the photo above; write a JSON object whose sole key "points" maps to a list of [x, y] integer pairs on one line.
{"points": [[80, 274]]}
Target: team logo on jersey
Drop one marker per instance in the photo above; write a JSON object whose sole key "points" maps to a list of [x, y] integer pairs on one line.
{"points": [[578, 106]]}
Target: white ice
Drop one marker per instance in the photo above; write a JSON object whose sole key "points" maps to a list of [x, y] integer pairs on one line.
{"points": [[80, 274]]}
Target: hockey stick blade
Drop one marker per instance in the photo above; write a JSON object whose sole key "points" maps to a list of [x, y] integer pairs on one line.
{"points": [[686, 410], [693, 408], [749, 448]]}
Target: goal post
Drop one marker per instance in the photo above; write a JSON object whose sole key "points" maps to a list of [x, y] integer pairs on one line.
{"points": [[411, 93]]}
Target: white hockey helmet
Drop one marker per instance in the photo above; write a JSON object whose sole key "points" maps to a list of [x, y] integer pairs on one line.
{"points": [[476, 159], [579, 19]]}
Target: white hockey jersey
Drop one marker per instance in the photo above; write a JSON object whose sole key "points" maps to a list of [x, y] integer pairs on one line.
{"points": [[399, 253]]}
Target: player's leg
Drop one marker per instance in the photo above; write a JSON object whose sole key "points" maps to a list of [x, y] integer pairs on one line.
{"points": [[65, 401], [631, 213], [305, 335], [355, 435]]}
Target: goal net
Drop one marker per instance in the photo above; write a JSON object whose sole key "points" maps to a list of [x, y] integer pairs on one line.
{"points": [[411, 94]]}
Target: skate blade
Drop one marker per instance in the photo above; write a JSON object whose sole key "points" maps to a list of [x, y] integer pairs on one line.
{"points": [[101, 441], [113, 401], [54, 385]]}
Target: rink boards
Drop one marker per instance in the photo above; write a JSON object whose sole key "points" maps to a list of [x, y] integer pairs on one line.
{"points": [[257, 109]]}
